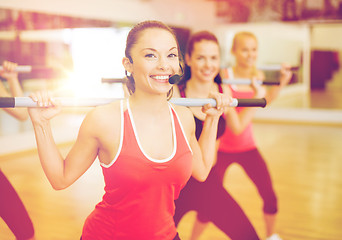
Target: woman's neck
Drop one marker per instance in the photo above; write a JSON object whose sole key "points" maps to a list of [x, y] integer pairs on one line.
{"points": [[243, 72], [198, 89], [148, 102]]}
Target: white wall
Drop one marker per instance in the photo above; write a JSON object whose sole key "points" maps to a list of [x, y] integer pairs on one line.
{"points": [[176, 12], [278, 42], [327, 36]]}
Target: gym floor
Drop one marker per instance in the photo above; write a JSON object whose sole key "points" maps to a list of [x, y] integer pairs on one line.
{"points": [[304, 161]]}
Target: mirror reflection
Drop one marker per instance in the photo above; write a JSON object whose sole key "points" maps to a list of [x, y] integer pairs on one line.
{"points": [[70, 56]]}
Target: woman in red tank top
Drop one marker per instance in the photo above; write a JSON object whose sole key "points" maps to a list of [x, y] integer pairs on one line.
{"points": [[146, 146], [239, 146]]}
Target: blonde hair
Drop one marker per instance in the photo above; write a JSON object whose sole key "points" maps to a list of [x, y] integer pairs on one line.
{"points": [[237, 38]]}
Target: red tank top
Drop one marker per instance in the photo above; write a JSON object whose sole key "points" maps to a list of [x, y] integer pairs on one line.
{"points": [[140, 191], [230, 142]]}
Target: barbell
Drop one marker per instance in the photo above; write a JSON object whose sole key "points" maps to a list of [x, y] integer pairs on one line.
{"points": [[20, 68], [275, 67], [269, 67], [247, 81], [17, 102], [236, 81]]}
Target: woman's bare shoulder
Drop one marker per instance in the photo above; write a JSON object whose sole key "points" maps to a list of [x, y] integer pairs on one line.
{"points": [[103, 116]]}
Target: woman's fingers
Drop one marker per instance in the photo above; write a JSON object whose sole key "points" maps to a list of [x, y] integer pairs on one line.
{"points": [[286, 74], [48, 107], [254, 83], [9, 70], [43, 99], [46, 100], [33, 97], [259, 89], [219, 102], [222, 101], [206, 107], [227, 101]]}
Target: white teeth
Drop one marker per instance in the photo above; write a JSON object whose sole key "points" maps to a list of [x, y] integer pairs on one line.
{"points": [[161, 77], [207, 73]]}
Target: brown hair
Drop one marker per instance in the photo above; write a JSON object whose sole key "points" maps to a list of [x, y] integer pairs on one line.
{"points": [[195, 38]]}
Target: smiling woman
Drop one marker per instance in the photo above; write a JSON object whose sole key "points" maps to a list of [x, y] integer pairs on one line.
{"points": [[165, 62], [143, 170]]}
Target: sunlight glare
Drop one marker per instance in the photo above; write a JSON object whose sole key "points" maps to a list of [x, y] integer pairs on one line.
{"points": [[96, 53]]}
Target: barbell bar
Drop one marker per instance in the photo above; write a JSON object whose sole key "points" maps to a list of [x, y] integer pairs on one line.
{"points": [[247, 81], [272, 67], [20, 68], [28, 68], [17, 102], [237, 81], [275, 67]]}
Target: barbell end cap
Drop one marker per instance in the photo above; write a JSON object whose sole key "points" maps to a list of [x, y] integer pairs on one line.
{"points": [[234, 103], [7, 102], [264, 102]]}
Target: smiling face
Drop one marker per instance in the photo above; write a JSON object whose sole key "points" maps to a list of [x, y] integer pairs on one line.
{"points": [[245, 51], [204, 60], [154, 59]]}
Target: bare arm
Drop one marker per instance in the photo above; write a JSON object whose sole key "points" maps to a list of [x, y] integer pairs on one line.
{"points": [[61, 172], [237, 122], [11, 76], [205, 148], [284, 79]]}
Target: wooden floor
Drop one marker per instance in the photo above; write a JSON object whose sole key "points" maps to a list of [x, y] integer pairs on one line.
{"points": [[305, 163]]}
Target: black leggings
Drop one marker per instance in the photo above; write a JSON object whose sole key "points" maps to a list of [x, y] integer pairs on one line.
{"points": [[13, 211], [176, 237], [213, 203], [255, 167]]}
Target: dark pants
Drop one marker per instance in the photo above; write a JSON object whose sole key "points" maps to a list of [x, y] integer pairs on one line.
{"points": [[13, 212], [213, 203], [255, 167], [176, 237]]}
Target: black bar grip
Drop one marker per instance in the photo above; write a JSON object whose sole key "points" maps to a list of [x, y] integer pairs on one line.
{"points": [[270, 83], [7, 102], [294, 68], [252, 102]]}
